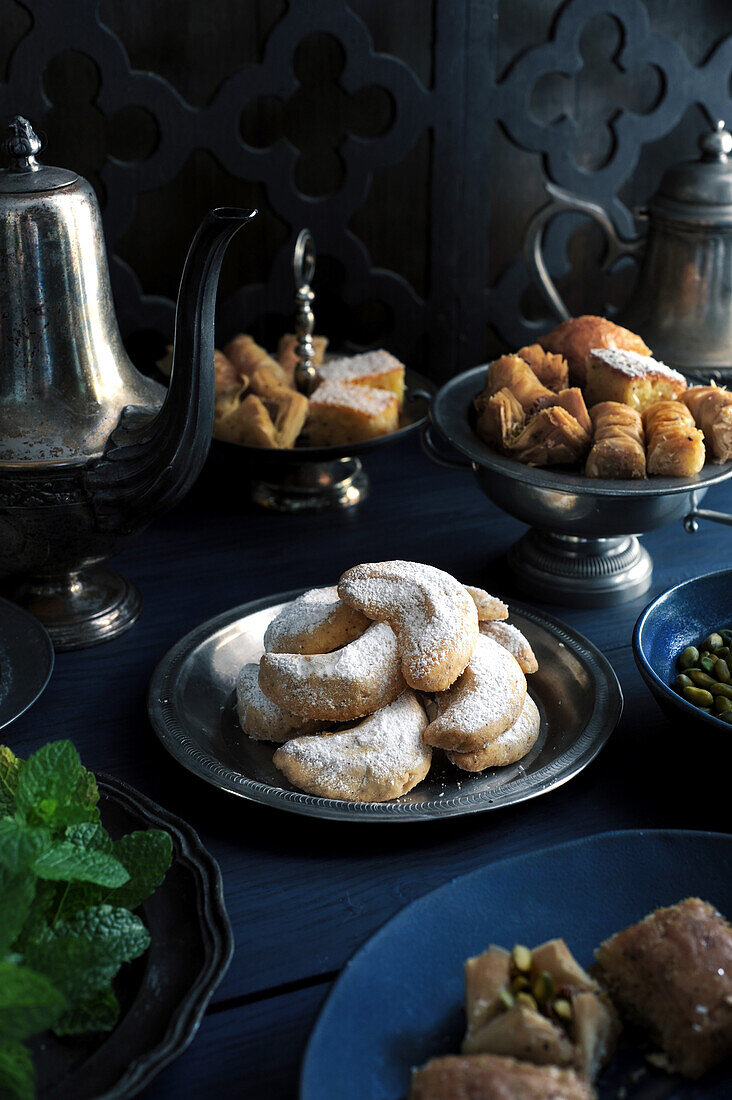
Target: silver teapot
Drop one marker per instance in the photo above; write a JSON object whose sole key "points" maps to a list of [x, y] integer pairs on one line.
{"points": [[682, 302], [90, 449]]}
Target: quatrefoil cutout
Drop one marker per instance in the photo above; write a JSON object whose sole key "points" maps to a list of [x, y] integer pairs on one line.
{"points": [[318, 116], [600, 81]]}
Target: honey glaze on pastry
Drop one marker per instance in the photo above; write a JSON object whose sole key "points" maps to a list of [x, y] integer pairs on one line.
{"points": [[316, 622], [433, 616], [552, 437], [508, 748], [349, 683], [483, 703], [381, 758], [259, 717], [513, 373], [675, 446], [492, 1077], [511, 638], [618, 445], [614, 374], [500, 418], [551, 370], [575, 339], [672, 975], [711, 407]]}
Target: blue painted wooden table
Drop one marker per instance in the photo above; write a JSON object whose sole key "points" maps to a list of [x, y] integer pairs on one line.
{"points": [[303, 894]]}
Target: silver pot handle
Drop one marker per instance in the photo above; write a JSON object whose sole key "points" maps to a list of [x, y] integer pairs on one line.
{"points": [[431, 449], [691, 521], [559, 202]]}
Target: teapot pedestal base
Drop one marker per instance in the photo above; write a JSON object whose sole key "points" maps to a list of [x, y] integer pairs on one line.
{"points": [[79, 609], [581, 572]]}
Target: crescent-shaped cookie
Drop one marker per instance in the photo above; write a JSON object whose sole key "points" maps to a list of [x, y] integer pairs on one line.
{"points": [[433, 616], [508, 747], [262, 719], [484, 702], [316, 622], [489, 607], [381, 758], [511, 638], [354, 681]]}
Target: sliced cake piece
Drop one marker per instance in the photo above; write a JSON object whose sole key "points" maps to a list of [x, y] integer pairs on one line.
{"points": [[614, 374], [343, 413], [377, 369]]}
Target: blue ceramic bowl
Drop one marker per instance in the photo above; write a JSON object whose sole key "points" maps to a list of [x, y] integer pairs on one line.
{"points": [[679, 617]]}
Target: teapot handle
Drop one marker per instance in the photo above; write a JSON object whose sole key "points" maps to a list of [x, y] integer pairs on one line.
{"points": [[560, 201]]}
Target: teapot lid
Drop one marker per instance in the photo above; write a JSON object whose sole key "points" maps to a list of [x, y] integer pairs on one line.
{"points": [[700, 190], [24, 174]]}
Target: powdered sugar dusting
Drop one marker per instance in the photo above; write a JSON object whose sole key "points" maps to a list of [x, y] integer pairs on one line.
{"points": [[271, 723], [485, 694], [432, 612], [381, 751], [368, 365], [511, 638], [304, 615], [525, 724], [633, 364], [363, 399]]}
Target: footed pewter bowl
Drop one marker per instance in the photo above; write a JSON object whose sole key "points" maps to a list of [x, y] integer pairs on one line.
{"points": [[582, 548]]}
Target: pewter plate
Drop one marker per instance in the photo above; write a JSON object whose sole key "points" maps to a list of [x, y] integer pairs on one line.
{"points": [[191, 707], [26, 661]]}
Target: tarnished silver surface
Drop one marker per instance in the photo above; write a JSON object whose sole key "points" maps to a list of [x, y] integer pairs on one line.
{"points": [[191, 706], [26, 661], [680, 304], [90, 449], [64, 374], [579, 550]]}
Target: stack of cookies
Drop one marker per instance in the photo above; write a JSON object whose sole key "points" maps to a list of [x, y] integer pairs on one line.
{"points": [[414, 658]]}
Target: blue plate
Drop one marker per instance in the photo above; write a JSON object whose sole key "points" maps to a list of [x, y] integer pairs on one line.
{"points": [[682, 616], [399, 1000]]}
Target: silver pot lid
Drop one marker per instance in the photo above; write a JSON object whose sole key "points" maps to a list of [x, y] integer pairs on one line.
{"points": [[23, 174], [700, 191]]}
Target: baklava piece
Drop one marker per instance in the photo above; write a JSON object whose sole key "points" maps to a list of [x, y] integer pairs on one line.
{"points": [[343, 413], [539, 1006], [672, 975], [618, 443], [575, 339], [490, 1077], [500, 419], [552, 437], [711, 407], [551, 370], [512, 373], [246, 355], [615, 374], [376, 369], [675, 444]]}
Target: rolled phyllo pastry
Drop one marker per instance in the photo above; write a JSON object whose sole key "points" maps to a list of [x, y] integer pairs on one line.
{"points": [[500, 419], [551, 370], [573, 402], [711, 407], [674, 444], [618, 445], [552, 437], [513, 373]]}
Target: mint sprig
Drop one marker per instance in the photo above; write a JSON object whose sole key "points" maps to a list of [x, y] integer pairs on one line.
{"points": [[67, 892]]}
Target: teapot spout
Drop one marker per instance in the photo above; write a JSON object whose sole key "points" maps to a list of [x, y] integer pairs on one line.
{"points": [[151, 462]]}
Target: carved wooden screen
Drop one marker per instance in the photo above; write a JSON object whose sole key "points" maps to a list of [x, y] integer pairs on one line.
{"points": [[412, 137]]}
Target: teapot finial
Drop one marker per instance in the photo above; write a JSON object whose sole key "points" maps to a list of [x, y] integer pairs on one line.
{"points": [[21, 145], [716, 144]]}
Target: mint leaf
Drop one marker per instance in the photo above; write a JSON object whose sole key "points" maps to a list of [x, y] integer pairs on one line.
{"points": [[21, 845], [52, 788], [146, 856], [67, 862], [17, 1076], [16, 895], [28, 1002], [97, 1012], [9, 771], [91, 836], [87, 792], [82, 954]]}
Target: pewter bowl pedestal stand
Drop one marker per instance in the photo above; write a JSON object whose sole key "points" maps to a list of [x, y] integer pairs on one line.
{"points": [[582, 548]]}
